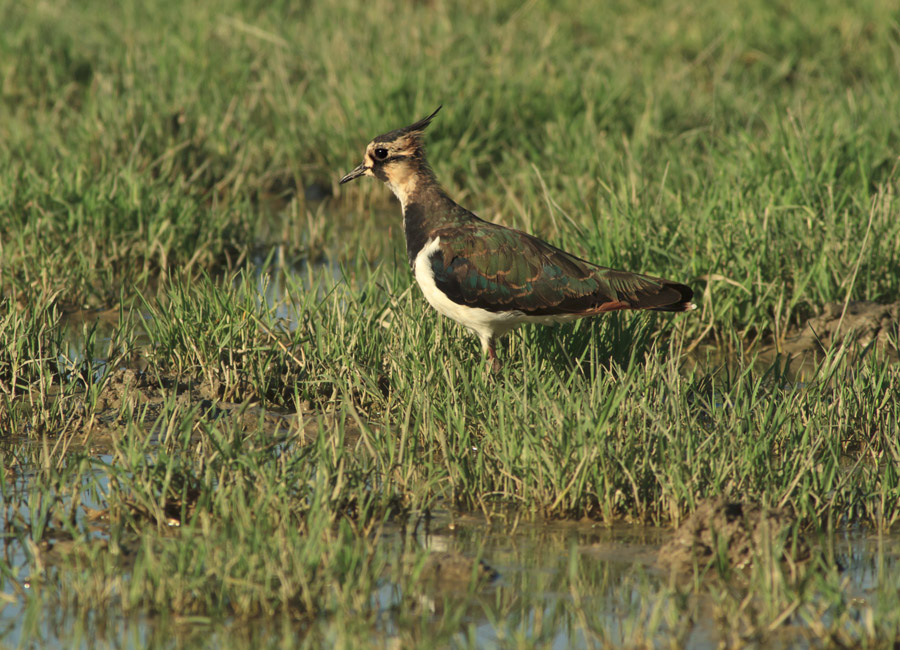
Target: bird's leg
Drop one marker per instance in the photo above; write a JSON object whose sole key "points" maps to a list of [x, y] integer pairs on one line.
{"points": [[487, 346], [492, 356]]}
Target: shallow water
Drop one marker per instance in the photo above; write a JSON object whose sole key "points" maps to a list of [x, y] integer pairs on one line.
{"points": [[273, 283], [559, 585]]}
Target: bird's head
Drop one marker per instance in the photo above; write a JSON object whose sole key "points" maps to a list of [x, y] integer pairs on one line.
{"points": [[395, 157]]}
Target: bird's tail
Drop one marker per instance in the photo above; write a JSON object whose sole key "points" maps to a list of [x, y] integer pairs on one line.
{"points": [[681, 296]]}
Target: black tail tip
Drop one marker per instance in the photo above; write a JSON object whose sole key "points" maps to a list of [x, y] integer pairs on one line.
{"points": [[683, 301]]}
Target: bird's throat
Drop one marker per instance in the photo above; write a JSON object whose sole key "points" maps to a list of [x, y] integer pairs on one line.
{"points": [[404, 183]]}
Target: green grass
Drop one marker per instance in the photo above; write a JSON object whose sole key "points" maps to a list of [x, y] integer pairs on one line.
{"points": [[152, 158]]}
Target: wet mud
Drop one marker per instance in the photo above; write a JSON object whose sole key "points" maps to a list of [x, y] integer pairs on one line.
{"points": [[452, 571], [733, 532], [862, 323], [128, 390]]}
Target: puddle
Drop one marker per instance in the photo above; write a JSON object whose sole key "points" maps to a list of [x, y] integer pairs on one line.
{"points": [[273, 282]]}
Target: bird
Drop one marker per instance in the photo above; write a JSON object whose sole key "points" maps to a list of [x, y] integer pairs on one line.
{"points": [[488, 277]]}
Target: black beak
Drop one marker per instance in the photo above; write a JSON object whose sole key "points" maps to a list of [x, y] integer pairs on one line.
{"points": [[356, 173]]}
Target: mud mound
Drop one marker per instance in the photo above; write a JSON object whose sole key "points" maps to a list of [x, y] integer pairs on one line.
{"points": [[738, 530], [127, 386], [455, 571], [127, 389], [863, 323]]}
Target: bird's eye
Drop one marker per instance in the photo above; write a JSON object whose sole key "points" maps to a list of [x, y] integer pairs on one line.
{"points": [[381, 154]]}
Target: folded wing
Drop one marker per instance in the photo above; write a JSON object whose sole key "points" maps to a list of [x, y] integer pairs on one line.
{"points": [[499, 269]]}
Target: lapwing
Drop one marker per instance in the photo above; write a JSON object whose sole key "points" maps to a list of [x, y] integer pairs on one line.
{"points": [[490, 278]]}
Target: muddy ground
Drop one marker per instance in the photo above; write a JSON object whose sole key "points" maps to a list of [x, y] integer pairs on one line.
{"points": [[862, 323], [132, 390], [733, 533]]}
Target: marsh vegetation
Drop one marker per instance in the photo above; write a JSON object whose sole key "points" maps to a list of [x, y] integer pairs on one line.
{"points": [[228, 417]]}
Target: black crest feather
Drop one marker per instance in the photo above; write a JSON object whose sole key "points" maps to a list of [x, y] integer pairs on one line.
{"points": [[415, 128]]}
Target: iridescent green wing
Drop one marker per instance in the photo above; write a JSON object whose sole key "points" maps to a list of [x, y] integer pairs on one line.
{"points": [[498, 269]]}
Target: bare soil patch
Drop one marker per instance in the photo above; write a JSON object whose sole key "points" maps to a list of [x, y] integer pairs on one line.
{"points": [[736, 532], [864, 323], [133, 390]]}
